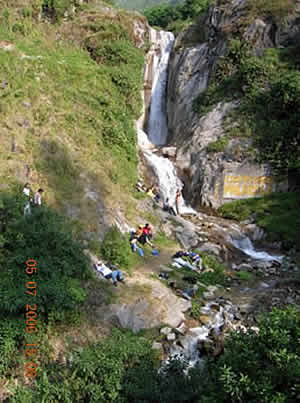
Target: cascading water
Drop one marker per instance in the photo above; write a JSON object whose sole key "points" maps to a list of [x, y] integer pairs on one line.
{"points": [[157, 72], [157, 124], [245, 245]]}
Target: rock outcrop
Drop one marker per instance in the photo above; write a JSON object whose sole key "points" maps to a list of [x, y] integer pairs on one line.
{"points": [[213, 178]]}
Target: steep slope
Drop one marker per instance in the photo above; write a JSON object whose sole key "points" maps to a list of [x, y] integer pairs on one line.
{"points": [[70, 91], [224, 70]]}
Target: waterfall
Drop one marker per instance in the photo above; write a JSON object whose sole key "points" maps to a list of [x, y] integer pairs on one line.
{"points": [[156, 76], [157, 124], [245, 245]]}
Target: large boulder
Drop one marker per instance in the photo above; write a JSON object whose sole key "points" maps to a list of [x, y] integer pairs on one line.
{"points": [[154, 305]]}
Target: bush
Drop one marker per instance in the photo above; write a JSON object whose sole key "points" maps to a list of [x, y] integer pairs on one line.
{"points": [[96, 373], [47, 238], [217, 276], [218, 145], [115, 248], [278, 214], [165, 15], [263, 367], [11, 335]]}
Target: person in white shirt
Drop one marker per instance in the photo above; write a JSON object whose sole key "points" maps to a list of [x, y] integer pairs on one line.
{"points": [[26, 192], [115, 275], [38, 197]]}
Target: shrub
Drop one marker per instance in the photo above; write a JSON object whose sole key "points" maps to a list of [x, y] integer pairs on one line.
{"points": [[263, 366], [165, 15], [95, 375], [278, 9], [217, 276], [218, 145], [47, 238], [115, 248]]}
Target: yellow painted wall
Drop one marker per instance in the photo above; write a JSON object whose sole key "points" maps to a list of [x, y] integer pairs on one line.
{"points": [[239, 186]]}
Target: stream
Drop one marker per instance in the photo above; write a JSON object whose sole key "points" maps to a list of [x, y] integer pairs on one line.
{"points": [[219, 313]]}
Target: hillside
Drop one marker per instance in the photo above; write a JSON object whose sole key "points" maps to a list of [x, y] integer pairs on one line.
{"points": [[202, 307], [66, 101]]}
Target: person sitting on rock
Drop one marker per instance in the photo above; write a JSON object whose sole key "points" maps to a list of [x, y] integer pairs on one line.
{"points": [[116, 274], [133, 239], [150, 192], [140, 186], [146, 235], [168, 208]]}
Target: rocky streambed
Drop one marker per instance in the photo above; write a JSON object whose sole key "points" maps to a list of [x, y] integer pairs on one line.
{"points": [[190, 317]]}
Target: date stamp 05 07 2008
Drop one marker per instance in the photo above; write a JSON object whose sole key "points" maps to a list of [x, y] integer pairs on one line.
{"points": [[31, 318]]}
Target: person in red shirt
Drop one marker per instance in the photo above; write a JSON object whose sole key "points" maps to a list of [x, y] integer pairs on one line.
{"points": [[146, 235]]}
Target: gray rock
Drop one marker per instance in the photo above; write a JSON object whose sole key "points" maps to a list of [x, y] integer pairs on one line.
{"points": [[165, 330], [157, 346], [210, 248], [246, 308], [193, 62], [169, 151], [245, 267], [208, 295], [171, 337]]}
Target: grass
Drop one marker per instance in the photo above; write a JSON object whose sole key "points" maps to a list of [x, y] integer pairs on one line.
{"points": [[61, 109], [278, 214], [245, 276]]}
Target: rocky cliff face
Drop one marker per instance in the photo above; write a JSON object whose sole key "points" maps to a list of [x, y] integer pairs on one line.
{"points": [[213, 178]]}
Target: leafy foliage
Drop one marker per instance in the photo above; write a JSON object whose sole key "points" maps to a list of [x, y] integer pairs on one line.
{"points": [[165, 15], [278, 9], [278, 214], [47, 238], [268, 90], [218, 145], [115, 248], [264, 364]]}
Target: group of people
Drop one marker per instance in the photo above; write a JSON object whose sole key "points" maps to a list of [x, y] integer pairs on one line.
{"points": [[151, 191], [143, 235], [110, 272], [155, 195], [170, 209], [190, 257], [32, 198]]}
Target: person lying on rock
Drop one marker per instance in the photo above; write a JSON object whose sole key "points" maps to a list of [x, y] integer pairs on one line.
{"points": [[195, 259], [115, 275]]}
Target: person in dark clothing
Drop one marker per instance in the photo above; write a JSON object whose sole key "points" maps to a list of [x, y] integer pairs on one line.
{"points": [[168, 208]]}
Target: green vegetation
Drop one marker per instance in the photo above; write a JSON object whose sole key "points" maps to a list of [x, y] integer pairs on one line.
{"points": [[61, 267], [269, 88], [264, 364], [218, 145], [47, 238], [277, 9], [245, 275], [278, 214], [115, 248], [124, 368], [175, 17], [72, 94]]}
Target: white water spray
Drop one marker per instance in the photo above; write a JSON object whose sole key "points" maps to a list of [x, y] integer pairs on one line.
{"points": [[157, 125], [245, 245], [165, 171]]}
